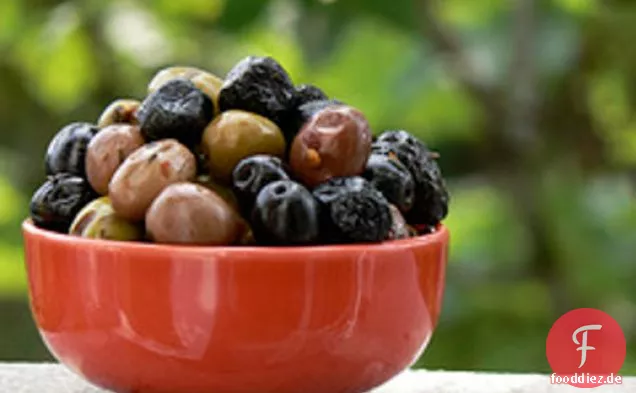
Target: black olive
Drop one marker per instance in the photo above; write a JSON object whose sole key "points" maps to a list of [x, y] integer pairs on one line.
{"points": [[56, 203], [308, 93], [259, 85], [177, 110], [431, 194], [66, 152], [353, 211]]}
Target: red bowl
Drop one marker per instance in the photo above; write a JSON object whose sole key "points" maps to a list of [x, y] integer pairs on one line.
{"points": [[134, 317]]}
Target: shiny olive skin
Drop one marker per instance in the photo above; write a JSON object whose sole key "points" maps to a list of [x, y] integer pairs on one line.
{"points": [[302, 113], [145, 173], [188, 213], [98, 220], [286, 213], [107, 151], [335, 142], [252, 174], [207, 82], [235, 135], [66, 152], [122, 111]]}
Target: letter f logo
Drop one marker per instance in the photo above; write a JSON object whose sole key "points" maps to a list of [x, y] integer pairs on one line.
{"points": [[583, 344]]}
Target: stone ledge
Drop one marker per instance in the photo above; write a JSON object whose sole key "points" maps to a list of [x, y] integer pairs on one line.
{"points": [[52, 378]]}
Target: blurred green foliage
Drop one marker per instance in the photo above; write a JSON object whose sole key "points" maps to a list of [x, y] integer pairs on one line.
{"points": [[536, 141]]}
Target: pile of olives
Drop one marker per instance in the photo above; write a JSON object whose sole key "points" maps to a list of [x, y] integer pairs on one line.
{"points": [[252, 159]]}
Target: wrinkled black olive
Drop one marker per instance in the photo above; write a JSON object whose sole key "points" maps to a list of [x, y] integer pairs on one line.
{"points": [[431, 195], [66, 152], [353, 211], [56, 203], [259, 85], [177, 110], [307, 93], [393, 179]]}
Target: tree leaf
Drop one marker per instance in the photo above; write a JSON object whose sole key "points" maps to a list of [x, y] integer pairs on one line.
{"points": [[11, 18], [238, 15], [362, 70], [59, 63]]}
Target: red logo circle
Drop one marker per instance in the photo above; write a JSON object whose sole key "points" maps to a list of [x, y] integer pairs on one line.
{"points": [[586, 342]]}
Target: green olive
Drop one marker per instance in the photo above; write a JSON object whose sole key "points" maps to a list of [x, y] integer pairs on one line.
{"points": [[120, 111], [98, 220], [235, 135], [208, 83]]}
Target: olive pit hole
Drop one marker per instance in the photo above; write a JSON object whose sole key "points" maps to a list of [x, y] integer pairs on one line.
{"points": [[280, 189], [245, 174]]}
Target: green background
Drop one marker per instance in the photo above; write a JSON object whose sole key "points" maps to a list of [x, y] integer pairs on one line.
{"points": [[530, 104]]}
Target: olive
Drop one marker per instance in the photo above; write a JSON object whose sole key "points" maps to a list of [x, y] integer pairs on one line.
{"points": [[247, 237], [188, 213], [224, 192], [259, 85], [56, 203], [66, 152], [98, 220], [399, 227], [353, 211], [107, 151], [252, 174], [336, 142], [145, 173], [235, 135], [203, 166], [285, 213], [122, 111], [208, 83], [177, 110], [302, 113], [307, 93], [392, 178], [431, 194]]}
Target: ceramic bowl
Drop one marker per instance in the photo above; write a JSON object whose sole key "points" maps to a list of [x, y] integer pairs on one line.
{"points": [[146, 318]]}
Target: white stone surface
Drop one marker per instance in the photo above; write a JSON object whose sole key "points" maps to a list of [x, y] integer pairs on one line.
{"points": [[52, 378]]}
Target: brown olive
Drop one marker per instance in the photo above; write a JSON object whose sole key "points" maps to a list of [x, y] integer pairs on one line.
{"points": [[208, 83], [235, 135], [122, 111], [335, 142], [188, 213], [107, 151], [145, 173]]}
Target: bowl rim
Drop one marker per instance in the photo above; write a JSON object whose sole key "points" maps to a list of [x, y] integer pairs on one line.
{"points": [[30, 230]]}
